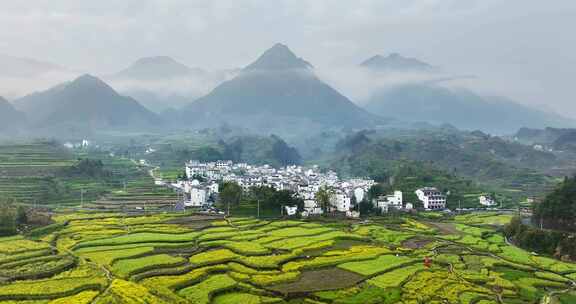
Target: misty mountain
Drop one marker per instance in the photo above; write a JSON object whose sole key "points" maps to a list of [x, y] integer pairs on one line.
{"points": [[555, 138], [461, 108], [25, 67], [396, 63], [10, 118], [161, 83], [277, 90], [541, 136], [88, 102], [160, 67]]}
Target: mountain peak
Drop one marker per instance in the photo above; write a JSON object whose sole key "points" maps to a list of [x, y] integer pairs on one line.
{"points": [[155, 60], [396, 62], [157, 67], [278, 57], [89, 81]]}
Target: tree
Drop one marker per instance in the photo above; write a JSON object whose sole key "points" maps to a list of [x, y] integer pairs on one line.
{"points": [[353, 202], [7, 219], [366, 208], [88, 168], [323, 197], [264, 195], [231, 194], [285, 198], [284, 154], [558, 209], [375, 191], [21, 216]]}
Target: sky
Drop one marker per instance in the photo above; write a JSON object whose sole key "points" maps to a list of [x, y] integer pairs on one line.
{"points": [[522, 49]]}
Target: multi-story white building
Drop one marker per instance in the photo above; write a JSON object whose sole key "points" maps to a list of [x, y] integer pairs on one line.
{"points": [[386, 201], [431, 198], [340, 202]]}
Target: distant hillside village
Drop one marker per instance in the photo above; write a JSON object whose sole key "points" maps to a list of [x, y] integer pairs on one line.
{"points": [[202, 185]]}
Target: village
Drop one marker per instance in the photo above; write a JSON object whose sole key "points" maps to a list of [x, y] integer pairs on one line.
{"points": [[200, 189]]}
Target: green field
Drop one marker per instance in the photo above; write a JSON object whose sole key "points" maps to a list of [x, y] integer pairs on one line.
{"points": [[187, 258], [33, 174]]}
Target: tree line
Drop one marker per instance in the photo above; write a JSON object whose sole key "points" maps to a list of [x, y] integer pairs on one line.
{"points": [[556, 214], [232, 196]]}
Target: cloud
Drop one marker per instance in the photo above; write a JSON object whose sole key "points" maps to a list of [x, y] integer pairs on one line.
{"points": [[13, 87], [519, 48], [359, 84]]}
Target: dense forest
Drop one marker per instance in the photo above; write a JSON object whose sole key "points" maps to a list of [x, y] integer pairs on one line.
{"points": [[558, 209], [556, 214]]}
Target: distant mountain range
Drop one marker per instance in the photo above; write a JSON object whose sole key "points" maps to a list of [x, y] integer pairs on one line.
{"points": [[461, 108], [161, 83], [10, 118], [562, 139], [397, 63], [155, 68], [430, 102], [279, 89], [88, 102]]}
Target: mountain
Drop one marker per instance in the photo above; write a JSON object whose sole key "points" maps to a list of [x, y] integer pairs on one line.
{"points": [[396, 62], [10, 118], [546, 136], [514, 169], [160, 67], [461, 108], [87, 101], [25, 67], [278, 90], [161, 83]]}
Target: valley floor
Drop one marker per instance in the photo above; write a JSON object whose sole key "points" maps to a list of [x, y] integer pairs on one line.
{"points": [[187, 258]]}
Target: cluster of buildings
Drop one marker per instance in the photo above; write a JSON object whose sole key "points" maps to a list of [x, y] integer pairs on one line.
{"points": [[200, 188]]}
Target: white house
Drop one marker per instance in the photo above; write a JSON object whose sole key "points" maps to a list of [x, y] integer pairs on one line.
{"points": [[385, 202], [340, 201], [311, 207], [359, 194], [291, 210], [352, 214], [486, 200], [431, 198], [198, 194]]}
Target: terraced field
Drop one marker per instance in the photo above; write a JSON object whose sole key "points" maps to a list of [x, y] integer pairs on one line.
{"points": [[184, 258], [26, 170], [31, 174]]}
